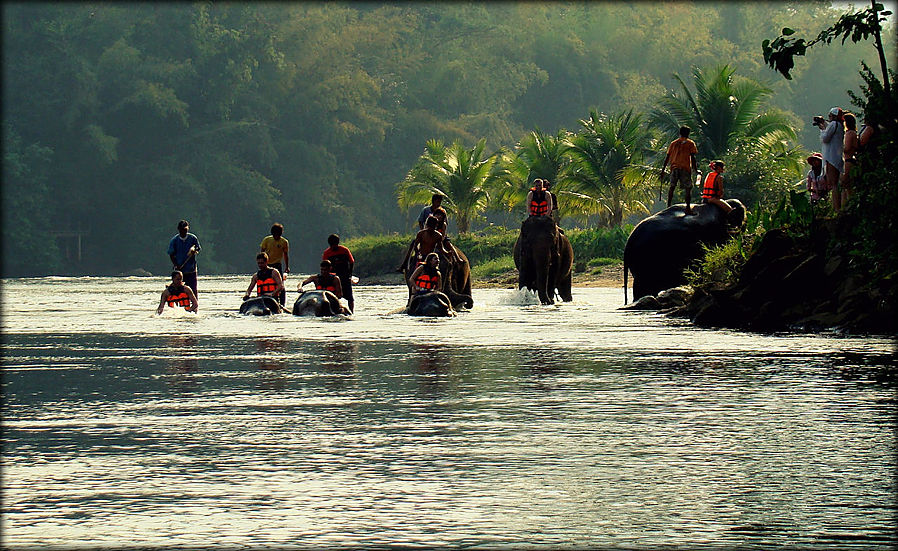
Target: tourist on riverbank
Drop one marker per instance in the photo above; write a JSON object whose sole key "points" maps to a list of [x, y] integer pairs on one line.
{"points": [[816, 180], [832, 135], [182, 250], [850, 146]]}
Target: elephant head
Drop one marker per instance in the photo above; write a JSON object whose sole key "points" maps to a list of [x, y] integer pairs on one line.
{"points": [[536, 256], [317, 303], [433, 304], [260, 306]]}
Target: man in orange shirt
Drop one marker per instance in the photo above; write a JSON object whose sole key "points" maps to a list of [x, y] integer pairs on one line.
{"points": [[681, 155]]}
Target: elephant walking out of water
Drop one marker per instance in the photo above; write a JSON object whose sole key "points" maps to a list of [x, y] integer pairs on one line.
{"points": [[544, 258], [663, 245], [455, 282]]}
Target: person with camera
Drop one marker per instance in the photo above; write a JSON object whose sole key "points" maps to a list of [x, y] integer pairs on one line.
{"points": [[832, 136]]}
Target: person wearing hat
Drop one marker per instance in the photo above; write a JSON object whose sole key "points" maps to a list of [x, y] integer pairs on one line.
{"points": [[832, 136], [712, 189], [816, 178]]}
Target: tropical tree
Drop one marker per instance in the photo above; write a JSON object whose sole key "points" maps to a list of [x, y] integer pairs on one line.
{"points": [[536, 155], [462, 176], [600, 178], [722, 108]]}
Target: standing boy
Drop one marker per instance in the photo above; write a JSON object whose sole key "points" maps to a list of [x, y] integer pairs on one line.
{"points": [[277, 248], [681, 156]]}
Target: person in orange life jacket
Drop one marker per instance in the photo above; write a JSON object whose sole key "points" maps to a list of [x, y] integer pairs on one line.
{"points": [[267, 280], [816, 179], [178, 294], [712, 190], [426, 277], [324, 280], [681, 156], [342, 261], [539, 200], [424, 243], [182, 249], [277, 248]]}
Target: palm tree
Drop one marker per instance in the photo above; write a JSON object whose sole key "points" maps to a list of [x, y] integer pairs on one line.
{"points": [[603, 176], [462, 176], [721, 109], [537, 155]]}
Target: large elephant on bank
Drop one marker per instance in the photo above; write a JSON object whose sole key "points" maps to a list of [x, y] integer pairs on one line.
{"points": [[455, 282], [544, 258], [663, 245], [318, 303], [433, 304]]}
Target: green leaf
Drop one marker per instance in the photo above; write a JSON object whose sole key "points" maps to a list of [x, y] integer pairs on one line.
{"points": [[787, 31]]}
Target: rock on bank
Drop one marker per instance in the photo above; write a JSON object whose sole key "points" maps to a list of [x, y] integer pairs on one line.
{"points": [[799, 285]]}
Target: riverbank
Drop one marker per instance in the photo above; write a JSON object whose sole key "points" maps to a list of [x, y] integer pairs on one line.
{"points": [[611, 275]]}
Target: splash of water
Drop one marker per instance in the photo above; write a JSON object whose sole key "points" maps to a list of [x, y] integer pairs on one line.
{"points": [[519, 297]]}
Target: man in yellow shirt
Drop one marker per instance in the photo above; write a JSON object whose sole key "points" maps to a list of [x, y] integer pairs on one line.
{"points": [[681, 155], [277, 248]]}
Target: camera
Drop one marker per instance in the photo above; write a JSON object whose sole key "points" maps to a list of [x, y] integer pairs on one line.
{"points": [[817, 120]]}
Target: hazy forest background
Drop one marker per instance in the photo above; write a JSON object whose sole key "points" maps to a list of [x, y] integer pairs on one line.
{"points": [[119, 119]]}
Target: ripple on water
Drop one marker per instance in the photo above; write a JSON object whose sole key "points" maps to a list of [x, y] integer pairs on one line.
{"points": [[512, 424]]}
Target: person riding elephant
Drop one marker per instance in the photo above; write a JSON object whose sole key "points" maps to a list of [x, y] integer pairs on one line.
{"points": [[663, 245], [544, 258], [455, 280]]}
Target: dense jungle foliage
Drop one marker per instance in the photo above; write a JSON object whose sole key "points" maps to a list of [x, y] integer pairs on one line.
{"points": [[119, 119]]}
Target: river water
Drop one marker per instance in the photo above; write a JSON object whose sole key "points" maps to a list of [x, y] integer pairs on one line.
{"points": [[511, 425]]}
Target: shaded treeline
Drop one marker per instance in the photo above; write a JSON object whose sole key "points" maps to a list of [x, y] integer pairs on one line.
{"points": [[119, 119]]}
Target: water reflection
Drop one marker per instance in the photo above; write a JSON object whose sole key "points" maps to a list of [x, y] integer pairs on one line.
{"points": [[182, 365], [271, 363], [433, 366]]}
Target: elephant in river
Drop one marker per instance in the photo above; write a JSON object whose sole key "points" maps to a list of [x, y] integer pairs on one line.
{"points": [[663, 245], [455, 280], [432, 304], [318, 303], [544, 258], [261, 306]]}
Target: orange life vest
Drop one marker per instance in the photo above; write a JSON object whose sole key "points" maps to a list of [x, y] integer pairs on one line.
{"points": [[427, 281], [539, 206], [330, 285], [265, 283], [712, 188], [178, 299]]}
